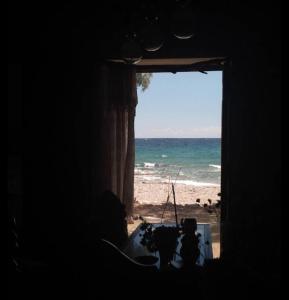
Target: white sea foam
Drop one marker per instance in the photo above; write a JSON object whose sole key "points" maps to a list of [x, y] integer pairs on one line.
{"points": [[164, 156], [196, 183], [150, 165], [215, 166], [138, 171], [152, 178]]}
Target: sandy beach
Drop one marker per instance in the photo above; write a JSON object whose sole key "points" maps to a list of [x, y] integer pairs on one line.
{"points": [[150, 203], [154, 192]]}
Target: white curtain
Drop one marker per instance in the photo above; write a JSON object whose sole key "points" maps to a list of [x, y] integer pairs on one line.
{"points": [[119, 99]]}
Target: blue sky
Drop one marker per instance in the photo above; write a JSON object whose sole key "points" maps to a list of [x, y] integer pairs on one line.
{"points": [[182, 105]]}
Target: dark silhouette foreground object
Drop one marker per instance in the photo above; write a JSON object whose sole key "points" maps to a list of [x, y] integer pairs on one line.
{"points": [[190, 242], [110, 223]]}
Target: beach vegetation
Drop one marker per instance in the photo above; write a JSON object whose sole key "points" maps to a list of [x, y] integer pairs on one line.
{"points": [[212, 208], [143, 80]]}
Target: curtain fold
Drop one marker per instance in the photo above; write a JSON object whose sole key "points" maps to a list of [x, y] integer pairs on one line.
{"points": [[119, 99]]}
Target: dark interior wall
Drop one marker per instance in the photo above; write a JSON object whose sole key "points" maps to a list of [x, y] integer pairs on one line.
{"points": [[252, 150], [14, 163], [54, 127], [252, 157], [59, 150], [54, 92]]}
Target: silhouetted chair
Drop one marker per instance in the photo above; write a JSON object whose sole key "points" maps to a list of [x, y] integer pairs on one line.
{"points": [[112, 224]]}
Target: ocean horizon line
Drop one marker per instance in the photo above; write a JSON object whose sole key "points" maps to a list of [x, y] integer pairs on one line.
{"points": [[144, 138]]}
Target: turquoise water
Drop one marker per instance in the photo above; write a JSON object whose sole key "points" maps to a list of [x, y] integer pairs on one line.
{"points": [[189, 161]]}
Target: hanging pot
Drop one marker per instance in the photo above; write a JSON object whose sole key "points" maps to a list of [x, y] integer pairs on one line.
{"points": [[131, 52], [182, 24], [152, 37]]}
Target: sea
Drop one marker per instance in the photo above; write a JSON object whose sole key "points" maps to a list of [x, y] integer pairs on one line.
{"points": [[190, 161]]}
